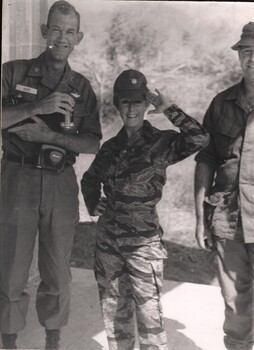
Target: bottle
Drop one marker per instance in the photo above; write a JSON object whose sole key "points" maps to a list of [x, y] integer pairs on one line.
{"points": [[68, 121]]}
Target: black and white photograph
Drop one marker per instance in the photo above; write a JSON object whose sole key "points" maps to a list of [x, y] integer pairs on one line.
{"points": [[127, 175]]}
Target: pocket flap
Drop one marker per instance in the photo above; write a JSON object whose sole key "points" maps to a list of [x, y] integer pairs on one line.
{"points": [[228, 127]]}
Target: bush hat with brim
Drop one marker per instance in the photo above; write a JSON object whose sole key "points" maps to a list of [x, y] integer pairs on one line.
{"points": [[247, 37]]}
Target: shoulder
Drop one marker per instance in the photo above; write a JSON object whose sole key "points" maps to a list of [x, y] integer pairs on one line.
{"points": [[106, 151], [220, 114], [110, 144], [80, 83], [232, 91], [80, 79], [18, 64], [222, 100], [15, 70]]}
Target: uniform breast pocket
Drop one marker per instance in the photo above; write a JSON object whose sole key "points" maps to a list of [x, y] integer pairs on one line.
{"points": [[143, 177], [18, 97], [141, 167], [28, 97], [226, 136], [79, 115]]}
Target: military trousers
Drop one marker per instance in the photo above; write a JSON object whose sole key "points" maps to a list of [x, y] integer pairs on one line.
{"points": [[130, 287], [44, 202], [236, 277]]}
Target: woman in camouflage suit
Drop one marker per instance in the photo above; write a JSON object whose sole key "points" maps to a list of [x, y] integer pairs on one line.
{"points": [[129, 248]]}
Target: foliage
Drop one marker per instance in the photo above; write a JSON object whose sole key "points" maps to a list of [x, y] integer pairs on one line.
{"points": [[128, 47], [185, 56], [176, 56]]}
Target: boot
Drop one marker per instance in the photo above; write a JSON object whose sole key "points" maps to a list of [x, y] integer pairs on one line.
{"points": [[9, 340], [52, 339]]}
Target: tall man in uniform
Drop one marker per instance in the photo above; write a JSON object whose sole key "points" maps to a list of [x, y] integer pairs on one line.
{"points": [[225, 196], [49, 117]]}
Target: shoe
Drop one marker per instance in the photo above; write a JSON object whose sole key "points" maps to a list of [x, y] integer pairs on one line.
{"points": [[52, 339], [9, 340]]}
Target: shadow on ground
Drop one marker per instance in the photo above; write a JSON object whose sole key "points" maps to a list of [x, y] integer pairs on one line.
{"points": [[173, 329], [184, 263]]}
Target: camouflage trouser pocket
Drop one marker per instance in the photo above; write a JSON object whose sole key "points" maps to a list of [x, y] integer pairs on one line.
{"points": [[146, 277], [148, 306], [157, 268]]}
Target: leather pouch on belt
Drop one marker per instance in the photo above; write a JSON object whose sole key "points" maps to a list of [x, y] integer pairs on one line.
{"points": [[51, 157]]}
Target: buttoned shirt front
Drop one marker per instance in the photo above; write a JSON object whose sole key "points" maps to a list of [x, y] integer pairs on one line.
{"points": [[230, 154], [27, 81]]}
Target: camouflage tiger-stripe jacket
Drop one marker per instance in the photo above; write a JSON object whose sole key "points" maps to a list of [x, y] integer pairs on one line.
{"points": [[133, 172]]}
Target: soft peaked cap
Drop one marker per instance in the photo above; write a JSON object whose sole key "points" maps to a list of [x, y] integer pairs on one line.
{"points": [[130, 84]]}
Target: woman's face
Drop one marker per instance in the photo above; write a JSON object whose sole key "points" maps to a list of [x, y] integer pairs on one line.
{"points": [[132, 112]]}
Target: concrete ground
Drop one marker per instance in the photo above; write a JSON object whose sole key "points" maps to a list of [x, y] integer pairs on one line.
{"points": [[193, 316]]}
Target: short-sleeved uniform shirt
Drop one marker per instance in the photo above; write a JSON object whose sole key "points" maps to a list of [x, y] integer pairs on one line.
{"points": [[27, 81]]}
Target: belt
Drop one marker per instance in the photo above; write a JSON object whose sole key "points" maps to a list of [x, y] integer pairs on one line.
{"points": [[26, 161], [21, 159]]}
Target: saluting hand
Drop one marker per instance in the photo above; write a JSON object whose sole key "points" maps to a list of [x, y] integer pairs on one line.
{"points": [[159, 101]]}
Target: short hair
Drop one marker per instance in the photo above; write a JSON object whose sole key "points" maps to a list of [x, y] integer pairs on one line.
{"points": [[65, 8]]}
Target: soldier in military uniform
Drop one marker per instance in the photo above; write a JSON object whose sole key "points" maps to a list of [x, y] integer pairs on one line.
{"points": [[129, 248], [49, 117], [224, 194]]}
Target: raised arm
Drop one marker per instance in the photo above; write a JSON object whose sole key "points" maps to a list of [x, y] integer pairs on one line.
{"points": [[192, 136]]}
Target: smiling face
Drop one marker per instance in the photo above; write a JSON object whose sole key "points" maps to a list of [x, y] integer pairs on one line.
{"points": [[61, 34], [132, 113], [246, 56]]}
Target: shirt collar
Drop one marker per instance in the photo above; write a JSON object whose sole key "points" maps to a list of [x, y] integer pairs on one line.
{"points": [[68, 81], [238, 94], [145, 132], [236, 91]]}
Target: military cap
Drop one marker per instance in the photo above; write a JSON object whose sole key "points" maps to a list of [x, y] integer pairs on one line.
{"points": [[130, 84]]}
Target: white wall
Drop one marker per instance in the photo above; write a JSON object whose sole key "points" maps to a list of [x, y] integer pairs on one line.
{"points": [[21, 28]]}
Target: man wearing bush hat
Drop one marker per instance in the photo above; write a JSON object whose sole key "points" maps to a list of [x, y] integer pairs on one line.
{"points": [[224, 193]]}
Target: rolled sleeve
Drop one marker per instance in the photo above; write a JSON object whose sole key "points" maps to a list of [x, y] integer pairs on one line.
{"points": [[89, 113], [208, 154]]}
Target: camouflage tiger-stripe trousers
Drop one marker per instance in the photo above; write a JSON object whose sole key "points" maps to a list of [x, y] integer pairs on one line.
{"points": [[130, 284]]}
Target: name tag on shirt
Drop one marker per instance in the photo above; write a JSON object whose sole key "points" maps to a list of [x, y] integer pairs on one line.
{"points": [[27, 89]]}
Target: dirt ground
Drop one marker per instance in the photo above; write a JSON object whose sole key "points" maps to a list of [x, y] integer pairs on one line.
{"points": [[185, 262]]}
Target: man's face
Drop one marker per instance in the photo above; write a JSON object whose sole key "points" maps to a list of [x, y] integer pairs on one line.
{"points": [[246, 56], [132, 112], [61, 35]]}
